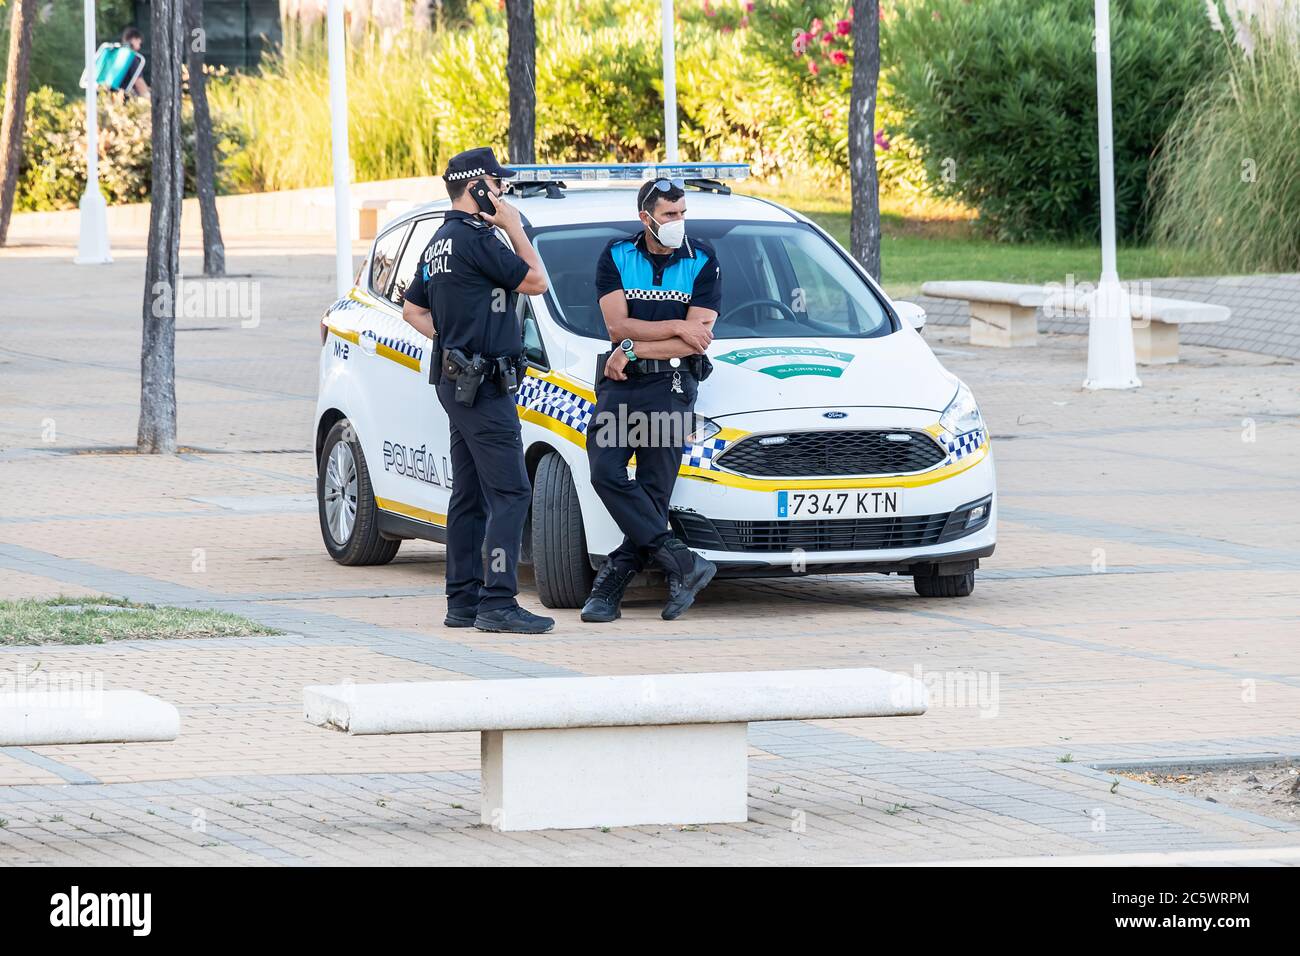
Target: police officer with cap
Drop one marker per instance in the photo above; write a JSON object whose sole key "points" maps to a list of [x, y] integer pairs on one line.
{"points": [[463, 298], [659, 293]]}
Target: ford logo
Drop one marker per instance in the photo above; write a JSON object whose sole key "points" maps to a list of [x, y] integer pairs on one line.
{"points": [[835, 414]]}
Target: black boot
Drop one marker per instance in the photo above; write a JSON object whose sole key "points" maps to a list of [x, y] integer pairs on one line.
{"points": [[688, 575], [513, 620], [607, 594]]}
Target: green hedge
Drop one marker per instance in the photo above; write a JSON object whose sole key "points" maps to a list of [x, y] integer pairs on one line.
{"points": [[742, 95], [53, 170], [1001, 97]]}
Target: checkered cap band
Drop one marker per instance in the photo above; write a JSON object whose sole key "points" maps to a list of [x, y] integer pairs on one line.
{"points": [[470, 174]]}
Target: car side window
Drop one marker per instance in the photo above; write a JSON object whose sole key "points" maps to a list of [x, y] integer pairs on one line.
{"points": [[420, 235], [534, 350], [384, 259]]}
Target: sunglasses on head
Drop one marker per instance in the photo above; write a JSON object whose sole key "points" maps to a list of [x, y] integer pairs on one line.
{"points": [[663, 186]]}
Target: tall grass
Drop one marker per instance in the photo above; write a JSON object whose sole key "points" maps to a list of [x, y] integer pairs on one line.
{"points": [[285, 109], [1228, 183]]}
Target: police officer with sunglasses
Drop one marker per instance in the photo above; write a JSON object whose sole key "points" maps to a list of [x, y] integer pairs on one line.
{"points": [[463, 297], [659, 293]]}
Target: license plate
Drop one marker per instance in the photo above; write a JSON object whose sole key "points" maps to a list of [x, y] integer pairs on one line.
{"points": [[849, 503]]}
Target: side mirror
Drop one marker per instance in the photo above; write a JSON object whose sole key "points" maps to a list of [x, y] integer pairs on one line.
{"points": [[911, 313]]}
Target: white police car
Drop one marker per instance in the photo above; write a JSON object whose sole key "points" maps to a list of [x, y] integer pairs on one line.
{"points": [[832, 439]]}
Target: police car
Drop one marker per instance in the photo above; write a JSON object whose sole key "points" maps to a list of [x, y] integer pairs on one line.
{"points": [[830, 439]]}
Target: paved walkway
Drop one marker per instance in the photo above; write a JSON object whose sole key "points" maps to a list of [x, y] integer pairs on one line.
{"points": [[1142, 605]]}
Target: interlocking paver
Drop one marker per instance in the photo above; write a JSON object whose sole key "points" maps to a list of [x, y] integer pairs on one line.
{"points": [[1142, 604]]}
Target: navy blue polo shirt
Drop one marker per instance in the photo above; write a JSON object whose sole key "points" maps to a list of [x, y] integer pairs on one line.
{"points": [[466, 278], [660, 288]]}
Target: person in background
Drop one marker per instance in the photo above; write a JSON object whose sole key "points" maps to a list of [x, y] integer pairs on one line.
{"points": [[132, 39]]}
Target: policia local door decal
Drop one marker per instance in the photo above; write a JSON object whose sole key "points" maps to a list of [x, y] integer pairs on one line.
{"points": [[789, 361]]}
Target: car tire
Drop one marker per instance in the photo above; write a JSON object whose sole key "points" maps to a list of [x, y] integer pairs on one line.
{"points": [[944, 585], [345, 501], [559, 545]]}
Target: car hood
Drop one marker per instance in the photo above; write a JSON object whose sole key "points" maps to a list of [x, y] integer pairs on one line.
{"points": [[894, 371]]}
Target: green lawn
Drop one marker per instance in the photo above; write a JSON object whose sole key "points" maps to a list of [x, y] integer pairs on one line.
{"points": [[916, 250], [94, 620]]}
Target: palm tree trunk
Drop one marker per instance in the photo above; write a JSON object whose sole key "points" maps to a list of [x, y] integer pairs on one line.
{"points": [[205, 174], [15, 114], [864, 222], [521, 70], [157, 431]]}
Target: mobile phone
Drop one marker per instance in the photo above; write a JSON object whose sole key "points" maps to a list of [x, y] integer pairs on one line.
{"points": [[483, 198]]}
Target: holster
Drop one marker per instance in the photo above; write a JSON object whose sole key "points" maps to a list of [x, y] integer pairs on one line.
{"points": [[467, 372]]}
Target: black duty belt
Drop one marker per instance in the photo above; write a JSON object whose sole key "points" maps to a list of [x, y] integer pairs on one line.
{"points": [[697, 365], [470, 371]]}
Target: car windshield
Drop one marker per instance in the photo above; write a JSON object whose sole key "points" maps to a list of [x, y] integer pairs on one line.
{"points": [[779, 280]]}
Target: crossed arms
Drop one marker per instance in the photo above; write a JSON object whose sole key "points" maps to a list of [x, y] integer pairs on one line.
{"points": [[676, 338]]}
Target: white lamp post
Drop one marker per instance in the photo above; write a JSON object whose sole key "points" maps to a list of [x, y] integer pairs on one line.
{"points": [[339, 149], [92, 241], [670, 84], [1111, 361]]}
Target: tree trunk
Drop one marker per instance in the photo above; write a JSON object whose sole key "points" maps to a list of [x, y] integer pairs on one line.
{"points": [[157, 432], [205, 173], [864, 224], [521, 70], [11, 130]]}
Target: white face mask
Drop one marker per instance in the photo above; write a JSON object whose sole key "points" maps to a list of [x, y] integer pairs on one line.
{"points": [[669, 234]]}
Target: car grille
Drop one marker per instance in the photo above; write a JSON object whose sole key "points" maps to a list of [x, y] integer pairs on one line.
{"points": [[824, 454], [821, 534]]}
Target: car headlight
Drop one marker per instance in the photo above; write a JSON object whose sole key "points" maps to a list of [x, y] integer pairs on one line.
{"points": [[705, 428], [962, 414]]}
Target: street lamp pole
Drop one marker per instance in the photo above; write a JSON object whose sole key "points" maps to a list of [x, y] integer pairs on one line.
{"points": [[92, 240], [1111, 362], [339, 149], [670, 84]]}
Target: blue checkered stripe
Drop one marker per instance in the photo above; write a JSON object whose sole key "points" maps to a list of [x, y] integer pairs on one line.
{"points": [[701, 455], [556, 402], [397, 345], [959, 446]]}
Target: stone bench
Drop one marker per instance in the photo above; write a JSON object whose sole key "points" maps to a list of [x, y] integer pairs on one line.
{"points": [[1004, 314], [567, 752], [53, 717]]}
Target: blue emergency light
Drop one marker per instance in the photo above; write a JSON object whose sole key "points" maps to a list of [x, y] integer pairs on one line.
{"points": [[626, 172]]}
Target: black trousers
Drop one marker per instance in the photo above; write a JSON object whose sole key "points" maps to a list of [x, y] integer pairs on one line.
{"points": [[490, 494], [639, 505]]}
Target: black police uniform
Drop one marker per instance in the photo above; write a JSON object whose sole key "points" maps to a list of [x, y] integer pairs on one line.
{"points": [[657, 288], [466, 279]]}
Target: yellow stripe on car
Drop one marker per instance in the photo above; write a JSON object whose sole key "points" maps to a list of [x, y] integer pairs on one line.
{"points": [[411, 511]]}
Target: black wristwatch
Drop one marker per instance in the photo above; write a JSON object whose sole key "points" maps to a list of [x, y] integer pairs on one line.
{"points": [[626, 346]]}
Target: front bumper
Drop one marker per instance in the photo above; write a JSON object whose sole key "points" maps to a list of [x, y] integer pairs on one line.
{"points": [[735, 526]]}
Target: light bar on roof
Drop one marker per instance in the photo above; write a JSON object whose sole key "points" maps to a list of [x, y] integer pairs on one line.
{"points": [[625, 172]]}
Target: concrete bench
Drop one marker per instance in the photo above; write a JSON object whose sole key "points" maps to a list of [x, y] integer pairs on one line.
{"points": [[52, 717], [1004, 314], [567, 752]]}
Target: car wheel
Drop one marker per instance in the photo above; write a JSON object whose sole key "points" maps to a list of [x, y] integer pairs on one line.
{"points": [[349, 517], [559, 545], [944, 585]]}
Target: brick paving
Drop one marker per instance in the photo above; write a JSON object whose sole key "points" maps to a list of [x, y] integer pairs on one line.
{"points": [[1142, 605]]}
